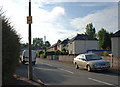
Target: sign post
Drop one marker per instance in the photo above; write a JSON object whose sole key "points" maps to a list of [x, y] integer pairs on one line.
{"points": [[29, 21]]}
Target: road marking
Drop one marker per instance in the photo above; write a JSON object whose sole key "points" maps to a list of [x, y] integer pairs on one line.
{"points": [[100, 81], [66, 71]]}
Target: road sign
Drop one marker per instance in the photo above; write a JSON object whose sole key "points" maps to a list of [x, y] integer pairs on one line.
{"points": [[29, 19]]}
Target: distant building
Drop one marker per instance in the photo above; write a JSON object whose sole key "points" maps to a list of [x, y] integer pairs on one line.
{"points": [[81, 43], [52, 48], [63, 44], [78, 44], [60, 45], [116, 44]]}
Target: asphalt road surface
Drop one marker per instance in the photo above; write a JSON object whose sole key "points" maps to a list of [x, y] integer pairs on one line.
{"points": [[60, 73]]}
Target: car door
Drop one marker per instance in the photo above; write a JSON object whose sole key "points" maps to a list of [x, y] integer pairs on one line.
{"points": [[83, 61], [80, 61]]}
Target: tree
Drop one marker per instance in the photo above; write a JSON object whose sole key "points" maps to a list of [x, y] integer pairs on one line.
{"points": [[90, 30], [104, 39], [58, 41], [37, 43], [47, 44]]}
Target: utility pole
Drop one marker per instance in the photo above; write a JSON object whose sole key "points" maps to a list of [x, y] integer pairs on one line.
{"points": [[29, 20]]}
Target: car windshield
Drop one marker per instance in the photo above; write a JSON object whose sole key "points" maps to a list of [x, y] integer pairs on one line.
{"points": [[93, 57]]}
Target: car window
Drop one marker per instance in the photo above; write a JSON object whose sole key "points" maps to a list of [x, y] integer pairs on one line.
{"points": [[93, 57], [80, 57]]}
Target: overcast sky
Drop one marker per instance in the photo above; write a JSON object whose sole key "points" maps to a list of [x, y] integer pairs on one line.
{"points": [[61, 19]]}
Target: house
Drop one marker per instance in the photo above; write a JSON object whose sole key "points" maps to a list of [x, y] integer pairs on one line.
{"points": [[63, 44], [52, 48], [115, 39], [81, 43], [59, 45]]}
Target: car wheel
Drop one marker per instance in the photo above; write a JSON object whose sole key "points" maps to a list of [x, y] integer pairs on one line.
{"points": [[33, 63], [23, 62], [77, 67], [88, 68]]}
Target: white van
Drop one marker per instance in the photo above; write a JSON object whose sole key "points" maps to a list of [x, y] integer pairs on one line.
{"points": [[25, 56]]}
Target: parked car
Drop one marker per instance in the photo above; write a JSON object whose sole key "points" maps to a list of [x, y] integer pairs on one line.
{"points": [[25, 56], [91, 62]]}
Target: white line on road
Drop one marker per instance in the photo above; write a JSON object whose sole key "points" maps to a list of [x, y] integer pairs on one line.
{"points": [[66, 71], [100, 81]]}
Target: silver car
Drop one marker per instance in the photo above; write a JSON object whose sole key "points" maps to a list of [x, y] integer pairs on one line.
{"points": [[91, 62]]}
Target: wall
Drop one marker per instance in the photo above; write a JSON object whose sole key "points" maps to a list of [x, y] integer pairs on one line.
{"points": [[114, 61], [82, 46], [91, 44], [116, 46], [66, 58], [79, 46], [71, 47]]}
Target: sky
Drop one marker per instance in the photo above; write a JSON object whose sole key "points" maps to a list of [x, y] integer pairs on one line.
{"points": [[61, 19]]}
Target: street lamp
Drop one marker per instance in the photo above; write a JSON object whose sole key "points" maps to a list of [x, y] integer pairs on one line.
{"points": [[30, 77]]}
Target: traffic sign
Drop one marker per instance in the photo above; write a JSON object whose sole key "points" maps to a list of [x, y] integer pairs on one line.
{"points": [[29, 19]]}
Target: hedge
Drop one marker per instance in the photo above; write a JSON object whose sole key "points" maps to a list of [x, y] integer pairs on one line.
{"points": [[48, 53], [10, 51]]}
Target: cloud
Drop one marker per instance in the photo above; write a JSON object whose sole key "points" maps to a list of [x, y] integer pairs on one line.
{"points": [[53, 24], [107, 18], [42, 19]]}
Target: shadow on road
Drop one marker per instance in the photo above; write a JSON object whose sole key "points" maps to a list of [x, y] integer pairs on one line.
{"points": [[47, 74], [108, 72], [45, 66]]}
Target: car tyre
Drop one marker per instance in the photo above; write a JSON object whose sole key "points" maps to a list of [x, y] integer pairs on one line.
{"points": [[77, 67], [23, 62], [33, 63], [89, 68]]}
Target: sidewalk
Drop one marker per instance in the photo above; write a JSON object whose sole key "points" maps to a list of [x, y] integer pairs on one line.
{"points": [[20, 78]]}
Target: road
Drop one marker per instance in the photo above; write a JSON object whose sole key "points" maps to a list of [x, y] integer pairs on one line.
{"points": [[60, 73]]}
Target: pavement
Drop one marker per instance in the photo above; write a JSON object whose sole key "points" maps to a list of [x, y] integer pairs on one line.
{"points": [[20, 78]]}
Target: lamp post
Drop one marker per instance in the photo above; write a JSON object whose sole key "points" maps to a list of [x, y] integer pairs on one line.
{"points": [[30, 77]]}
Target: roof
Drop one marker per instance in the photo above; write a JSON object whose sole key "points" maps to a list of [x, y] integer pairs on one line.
{"points": [[82, 37], [117, 34], [64, 42]]}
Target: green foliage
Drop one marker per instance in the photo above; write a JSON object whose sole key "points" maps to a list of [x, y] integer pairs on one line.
{"points": [[64, 51], [37, 41], [104, 39], [105, 53], [39, 52], [58, 52], [90, 30], [47, 44], [10, 50], [43, 55], [50, 53]]}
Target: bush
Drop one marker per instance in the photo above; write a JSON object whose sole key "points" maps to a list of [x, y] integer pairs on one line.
{"points": [[58, 52], [10, 51], [39, 52], [105, 53], [50, 53], [43, 55]]}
